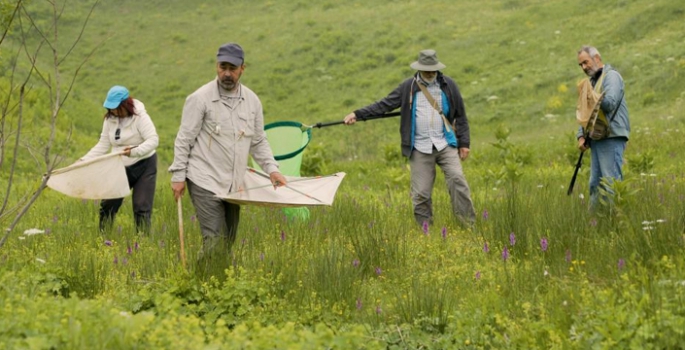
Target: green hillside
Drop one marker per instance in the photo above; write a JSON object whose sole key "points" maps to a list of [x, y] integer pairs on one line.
{"points": [[315, 61], [537, 270]]}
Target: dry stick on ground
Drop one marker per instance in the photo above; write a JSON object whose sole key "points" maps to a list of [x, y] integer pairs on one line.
{"points": [[57, 99]]}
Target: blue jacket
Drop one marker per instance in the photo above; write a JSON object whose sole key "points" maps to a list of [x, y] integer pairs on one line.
{"points": [[614, 101]]}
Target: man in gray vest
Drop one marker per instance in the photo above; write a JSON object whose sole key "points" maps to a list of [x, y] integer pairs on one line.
{"points": [[434, 131]]}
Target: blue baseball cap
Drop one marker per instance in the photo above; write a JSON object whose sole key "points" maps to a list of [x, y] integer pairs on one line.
{"points": [[115, 96]]}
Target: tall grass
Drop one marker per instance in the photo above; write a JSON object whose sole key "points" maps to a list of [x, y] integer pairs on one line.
{"points": [[538, 270]]}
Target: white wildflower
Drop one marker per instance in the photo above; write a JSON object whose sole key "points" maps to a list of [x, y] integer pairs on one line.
{"points": [[33, 231]]}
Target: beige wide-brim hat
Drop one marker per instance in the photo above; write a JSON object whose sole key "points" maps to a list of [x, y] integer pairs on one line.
{"points": [[428, 62]]}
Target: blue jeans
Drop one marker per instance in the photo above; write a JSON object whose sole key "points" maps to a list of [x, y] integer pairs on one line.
{"points": [[607, 162]]}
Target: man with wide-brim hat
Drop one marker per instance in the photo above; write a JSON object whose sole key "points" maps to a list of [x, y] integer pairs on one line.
{"points": [[434, 131]]}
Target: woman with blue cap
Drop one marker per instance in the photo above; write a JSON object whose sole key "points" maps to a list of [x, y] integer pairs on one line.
{"points": [[129, 129]]}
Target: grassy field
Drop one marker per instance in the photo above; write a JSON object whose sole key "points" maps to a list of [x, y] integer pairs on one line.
{"points": [[537, 271]]}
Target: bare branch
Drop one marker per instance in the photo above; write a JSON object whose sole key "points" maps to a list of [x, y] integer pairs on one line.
{"points": [[33, 58], [78, 69], [53, 83], [34, 25], [16, 145], [9, 24], [24, 210], [80, 34], [6, 110], [57, 93]]}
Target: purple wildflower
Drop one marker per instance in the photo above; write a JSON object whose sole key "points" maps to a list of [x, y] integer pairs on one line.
{"points": [[485, 214], [129, 250], [505, 254], [425, 227], [486, 248], [512, 239], [135, 246], [378, 309], [543, 244], [568, 255], [355, 262], [444, 233], [477, 275], [192, 218], [621, 264], [378, 271], [108, 243], [359, 304], [282, 235]]}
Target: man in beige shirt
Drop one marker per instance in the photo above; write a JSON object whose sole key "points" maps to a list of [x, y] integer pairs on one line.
{"points": [[222, 124]]}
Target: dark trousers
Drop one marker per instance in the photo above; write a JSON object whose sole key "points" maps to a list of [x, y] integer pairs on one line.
{"points": [[142, 179], [218, 219]]}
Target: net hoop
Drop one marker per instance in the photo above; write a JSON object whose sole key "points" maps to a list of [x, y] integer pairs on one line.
{"points": [[298, 125]]}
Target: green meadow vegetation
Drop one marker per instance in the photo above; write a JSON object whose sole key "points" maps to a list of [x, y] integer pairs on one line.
{"points": [[538, 270]]}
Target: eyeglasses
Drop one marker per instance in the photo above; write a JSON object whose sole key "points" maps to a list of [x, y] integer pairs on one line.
{"points": [[117, 134]]}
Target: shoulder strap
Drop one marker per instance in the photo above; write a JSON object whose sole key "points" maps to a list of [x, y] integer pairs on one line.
{"points": [[598, 88], [433, 103]]}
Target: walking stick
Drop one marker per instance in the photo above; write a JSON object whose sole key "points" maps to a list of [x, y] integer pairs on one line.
{"points": [[180, 232]]}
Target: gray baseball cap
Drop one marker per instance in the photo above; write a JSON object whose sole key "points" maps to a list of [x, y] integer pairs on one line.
{"points": [[231, 53]]}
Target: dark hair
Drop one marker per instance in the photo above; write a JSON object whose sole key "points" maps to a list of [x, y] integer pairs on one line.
{"points": [[125, 105]]}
